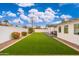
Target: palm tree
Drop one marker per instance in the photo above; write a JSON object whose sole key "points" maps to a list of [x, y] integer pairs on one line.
{"points": [[32, 22]]}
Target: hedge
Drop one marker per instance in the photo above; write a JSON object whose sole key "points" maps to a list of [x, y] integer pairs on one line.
{"points": [[15, 35]]}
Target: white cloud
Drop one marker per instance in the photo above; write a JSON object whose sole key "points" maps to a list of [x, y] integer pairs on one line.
{"points": [[9, 13], [49, 10], [21, 11], [24, 17], [49, 14], [33, 17], [37, 20], [39, 13], [65, 16], [9, 21], [25, 4], [40, 20], [18, 20], [56, 16], [57, 22], [3, 12], [33, 11], [37, 16], [1, 16]]}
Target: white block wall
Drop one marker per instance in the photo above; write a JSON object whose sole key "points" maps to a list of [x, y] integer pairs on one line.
{"points": [[70, 36], [41, 30], [5, 32]]}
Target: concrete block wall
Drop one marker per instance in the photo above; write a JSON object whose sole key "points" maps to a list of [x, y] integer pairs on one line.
{"points": [[5, 32]]}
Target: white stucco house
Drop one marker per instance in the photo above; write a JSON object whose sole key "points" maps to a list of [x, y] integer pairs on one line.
{"points": [[69, 31], [51, 29]]}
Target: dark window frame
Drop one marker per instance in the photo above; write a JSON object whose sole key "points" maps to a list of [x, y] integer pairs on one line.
{"points": [[59, 29], [66, 29], [76, 29]]}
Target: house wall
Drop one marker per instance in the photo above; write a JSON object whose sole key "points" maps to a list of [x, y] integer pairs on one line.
{"points": [[5, 32], [70, 36], [50, 29]]}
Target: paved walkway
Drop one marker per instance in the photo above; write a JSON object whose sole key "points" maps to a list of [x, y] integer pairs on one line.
{"points": [[72, 45], [10, 42], [6, 43]]}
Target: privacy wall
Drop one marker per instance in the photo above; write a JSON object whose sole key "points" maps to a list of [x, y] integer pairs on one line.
{"points": [[5, 32], [41, 30]]}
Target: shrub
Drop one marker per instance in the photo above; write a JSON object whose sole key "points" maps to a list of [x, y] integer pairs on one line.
{"points": [[15, 35], [30, 30], [23, 33]]}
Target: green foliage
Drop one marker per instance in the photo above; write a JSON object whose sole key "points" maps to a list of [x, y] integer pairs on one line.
{"points": [[6, 21], [23, 33], [30, 30]]}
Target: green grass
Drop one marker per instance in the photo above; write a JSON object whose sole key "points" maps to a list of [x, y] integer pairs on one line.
{"points": [[39, 44]]}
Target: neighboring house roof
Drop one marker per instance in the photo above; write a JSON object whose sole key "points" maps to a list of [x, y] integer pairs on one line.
{"points": [[52, 25], [65, 22], [69, 21]]}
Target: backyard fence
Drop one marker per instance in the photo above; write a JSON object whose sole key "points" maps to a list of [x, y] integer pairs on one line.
{"points": [[5, 32]]}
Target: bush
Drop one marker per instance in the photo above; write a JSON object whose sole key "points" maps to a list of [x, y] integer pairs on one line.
{"points": [[15, 35], [30, 30], [23, 33]]}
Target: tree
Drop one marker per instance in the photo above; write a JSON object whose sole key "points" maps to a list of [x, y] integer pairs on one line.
{"points": [[24, 26], [38, 27], [5, 21]]}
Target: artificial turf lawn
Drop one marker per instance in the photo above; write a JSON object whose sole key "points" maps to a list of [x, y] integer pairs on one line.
{"points": [[39, 44]]}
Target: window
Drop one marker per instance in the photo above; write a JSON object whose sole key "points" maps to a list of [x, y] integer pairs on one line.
{"points": [[76, 28], [59, 29], [66, 29]]}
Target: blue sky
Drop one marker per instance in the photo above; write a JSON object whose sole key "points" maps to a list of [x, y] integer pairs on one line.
{"points": [[42, 13]]}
